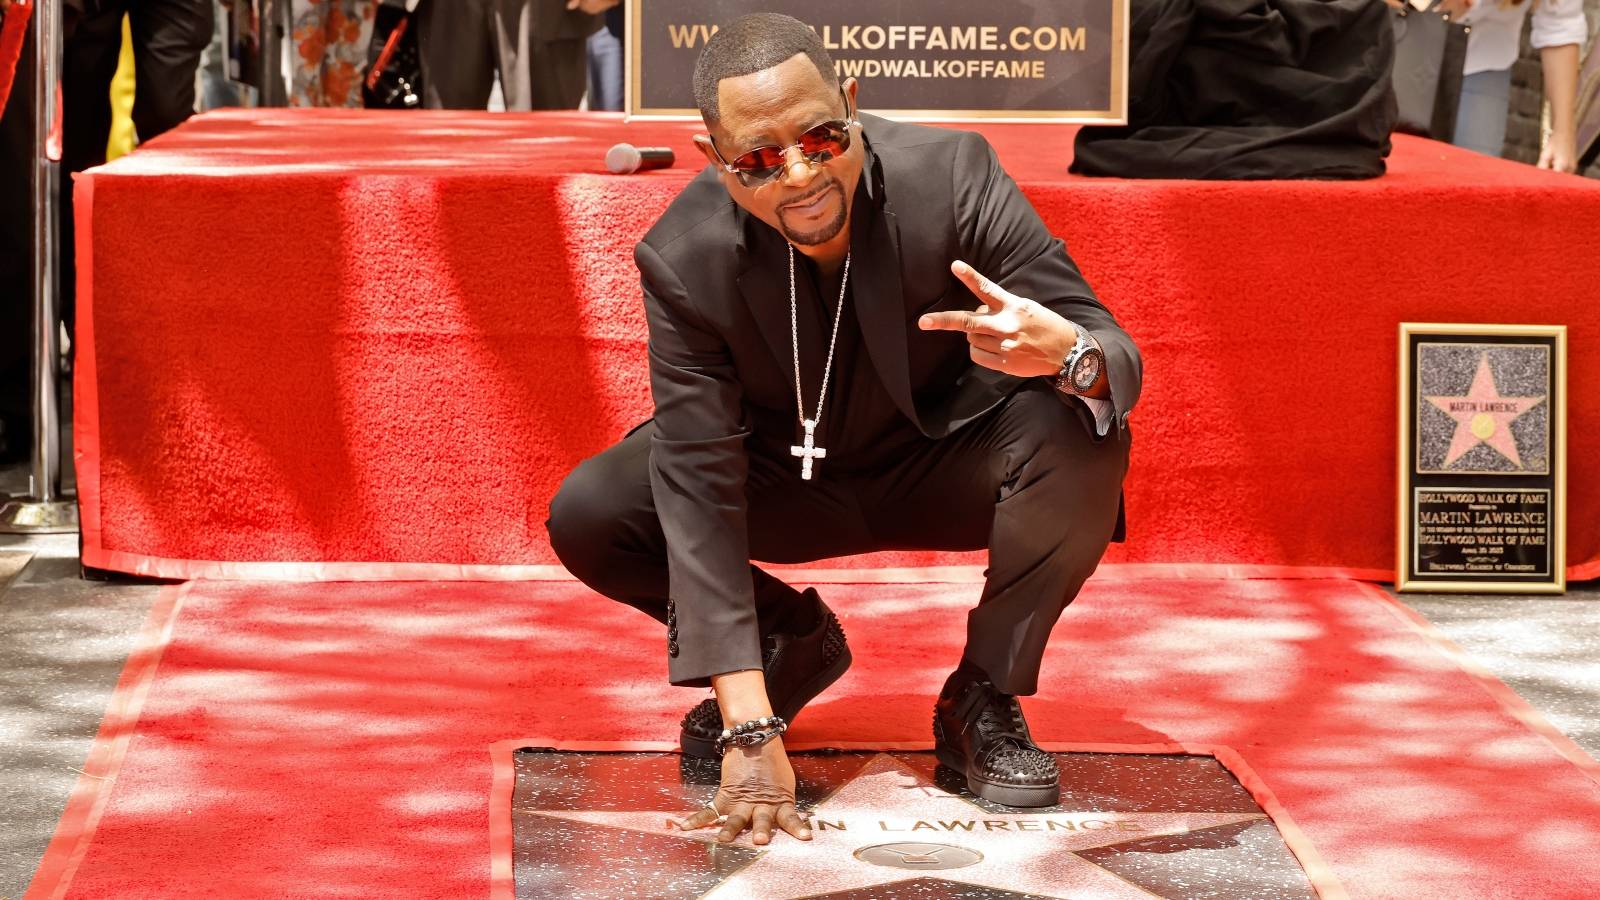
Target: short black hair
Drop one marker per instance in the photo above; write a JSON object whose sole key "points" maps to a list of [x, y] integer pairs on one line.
{"points": [[748, 45]]}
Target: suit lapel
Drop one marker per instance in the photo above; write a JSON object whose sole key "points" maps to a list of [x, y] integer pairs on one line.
{"points": [[880, 300], [764, 282]]}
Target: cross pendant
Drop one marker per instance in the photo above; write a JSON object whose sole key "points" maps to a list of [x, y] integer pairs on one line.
{"points": [[810, 451]]}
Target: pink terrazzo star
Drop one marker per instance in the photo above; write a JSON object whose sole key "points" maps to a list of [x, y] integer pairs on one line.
{"points": [[1483, 416], [889, 824]]}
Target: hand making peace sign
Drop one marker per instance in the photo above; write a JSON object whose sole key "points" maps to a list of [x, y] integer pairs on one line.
{"points": [[1007, 333]]}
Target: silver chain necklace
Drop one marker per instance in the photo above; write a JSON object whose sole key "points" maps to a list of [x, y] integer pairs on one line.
{"points": [[809, 453]]}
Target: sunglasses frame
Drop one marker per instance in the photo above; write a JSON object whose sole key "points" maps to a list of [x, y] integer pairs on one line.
{"points": [[750, 180]]}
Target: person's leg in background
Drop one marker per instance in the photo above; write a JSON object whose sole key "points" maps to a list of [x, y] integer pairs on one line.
{"points": [[168, 38], [541, 50], [1481, 114], [88, 65], [16, 263], [558, 72], [458, 56], [341, 33], [216, 89], [605, 68]]}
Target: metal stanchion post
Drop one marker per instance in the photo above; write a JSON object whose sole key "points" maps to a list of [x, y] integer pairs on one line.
{"points": [[43, 511], [276, 18]]}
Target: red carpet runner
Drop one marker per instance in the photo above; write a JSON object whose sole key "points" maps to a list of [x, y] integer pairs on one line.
{"points": [[349, 341], [333, 740]]}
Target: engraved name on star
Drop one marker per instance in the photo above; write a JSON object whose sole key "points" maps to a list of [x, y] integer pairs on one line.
{"points": [[888, 803], [1483, 416]]}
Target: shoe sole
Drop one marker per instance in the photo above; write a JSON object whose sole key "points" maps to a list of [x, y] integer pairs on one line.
{"points": [[1021, 795], [693, 745]]}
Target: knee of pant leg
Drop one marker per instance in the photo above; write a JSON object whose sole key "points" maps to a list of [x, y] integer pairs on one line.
{"points": [[1051, 424], [579, 526], [602, 515], [1057, 444]]}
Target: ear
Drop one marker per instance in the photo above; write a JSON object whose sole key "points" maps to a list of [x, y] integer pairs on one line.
{"points": [[703, 143], [850, 85]]}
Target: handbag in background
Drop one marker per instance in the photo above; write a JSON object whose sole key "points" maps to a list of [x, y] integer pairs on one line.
{"points": [[394, 64], [1430, 52]]}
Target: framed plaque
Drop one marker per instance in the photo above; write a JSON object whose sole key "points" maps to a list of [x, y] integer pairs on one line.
{"points": [[1482, 458], [926, 60]]}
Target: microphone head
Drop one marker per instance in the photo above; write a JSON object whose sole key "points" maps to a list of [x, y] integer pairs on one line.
{"points": [[622, 159]]}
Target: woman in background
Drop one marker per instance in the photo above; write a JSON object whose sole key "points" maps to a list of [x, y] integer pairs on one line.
{"points": [[1558, 31], [330, 51]]}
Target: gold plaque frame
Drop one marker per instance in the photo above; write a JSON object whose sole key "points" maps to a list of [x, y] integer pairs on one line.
{"points": [[1115, 114], [1407, 488]]}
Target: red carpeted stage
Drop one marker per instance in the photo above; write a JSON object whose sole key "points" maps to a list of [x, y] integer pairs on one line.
{"points": [[322, 344], [341, 346]]}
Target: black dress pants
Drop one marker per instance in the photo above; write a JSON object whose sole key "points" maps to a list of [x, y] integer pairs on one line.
{"points": [[168, 38], [16, 262], [1026, 480], [465, 43]]}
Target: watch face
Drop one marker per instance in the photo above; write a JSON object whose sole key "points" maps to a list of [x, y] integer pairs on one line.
{"points": [[1086, 371]]}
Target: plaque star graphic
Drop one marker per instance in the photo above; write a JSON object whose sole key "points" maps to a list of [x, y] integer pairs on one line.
{"points": [[889, 824], [1483, 416]]}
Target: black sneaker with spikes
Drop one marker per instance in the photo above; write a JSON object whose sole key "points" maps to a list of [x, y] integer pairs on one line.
{"points": [[979, 733]]}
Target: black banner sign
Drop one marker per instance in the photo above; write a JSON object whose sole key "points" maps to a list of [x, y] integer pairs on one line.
{"points": [[1482, 458], [932, 60]]}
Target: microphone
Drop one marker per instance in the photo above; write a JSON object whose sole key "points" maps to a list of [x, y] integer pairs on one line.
{"points": [[625, 159]]}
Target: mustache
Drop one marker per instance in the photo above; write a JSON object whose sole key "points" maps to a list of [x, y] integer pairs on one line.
{"points": [[812, 195]]}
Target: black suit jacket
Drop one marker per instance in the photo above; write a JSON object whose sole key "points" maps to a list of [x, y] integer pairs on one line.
{"points": [[715, 292]]}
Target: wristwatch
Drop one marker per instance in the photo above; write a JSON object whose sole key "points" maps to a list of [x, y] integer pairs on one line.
{"points": [[1083, 367]]}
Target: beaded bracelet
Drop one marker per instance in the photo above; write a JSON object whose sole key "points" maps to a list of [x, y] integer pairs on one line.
{"points": [[752, 733]]}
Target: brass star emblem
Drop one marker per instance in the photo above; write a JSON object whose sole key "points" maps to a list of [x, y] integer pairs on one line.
{"points": [[1483, 416]]}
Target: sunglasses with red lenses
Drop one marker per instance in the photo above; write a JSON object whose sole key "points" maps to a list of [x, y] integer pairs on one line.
{"points": [[818, 144]]}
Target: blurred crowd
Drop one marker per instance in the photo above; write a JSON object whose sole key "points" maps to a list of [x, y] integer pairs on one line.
{"points": [[187, 55]]}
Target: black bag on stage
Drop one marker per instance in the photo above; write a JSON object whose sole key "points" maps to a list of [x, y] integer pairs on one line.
{"points": [[1251, 89], [1429, 53], [394, 64]]}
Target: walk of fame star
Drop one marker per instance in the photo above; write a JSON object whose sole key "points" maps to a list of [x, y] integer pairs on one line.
{"points": [[1483, 416], [889, 824]]}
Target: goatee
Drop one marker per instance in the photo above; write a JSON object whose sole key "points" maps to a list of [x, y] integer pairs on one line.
{"points": [[823, 233]]}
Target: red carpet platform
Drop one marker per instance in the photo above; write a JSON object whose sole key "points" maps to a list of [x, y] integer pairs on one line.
{"points": [[335, 740], [321, 344]]}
